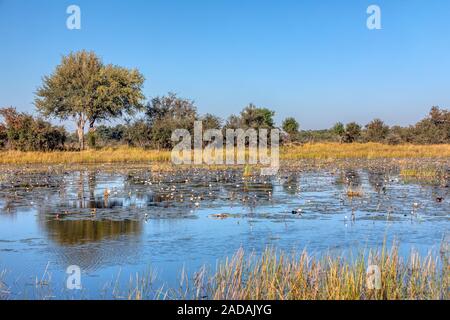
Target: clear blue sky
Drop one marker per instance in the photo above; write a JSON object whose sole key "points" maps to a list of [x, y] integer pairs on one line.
{"points": [[313, 59]]}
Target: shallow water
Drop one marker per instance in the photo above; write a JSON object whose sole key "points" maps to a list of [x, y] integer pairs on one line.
{"points": [[117, 222]]}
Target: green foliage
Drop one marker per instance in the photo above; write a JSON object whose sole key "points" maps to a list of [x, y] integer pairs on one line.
{"points": [[352, 132], [25, 133], [210, 121], [84, 89], [291, 126], [256, 118], [110, 135], [138, 134], [92, 139], [166, 114], [3, 135], [316, 136], [339, 130], [434, 129], [376, 131]]}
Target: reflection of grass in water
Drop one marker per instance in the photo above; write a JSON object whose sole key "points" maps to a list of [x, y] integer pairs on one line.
{"points": [[306, 151], [247, 171], [299, 276]]}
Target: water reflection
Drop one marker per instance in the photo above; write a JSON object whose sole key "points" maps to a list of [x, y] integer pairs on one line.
{"points": [[377, 180], [69, 232]]}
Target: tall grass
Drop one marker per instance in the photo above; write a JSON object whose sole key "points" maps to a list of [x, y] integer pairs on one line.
{"points": [[364, 151], [276, 275], [306, 151]]}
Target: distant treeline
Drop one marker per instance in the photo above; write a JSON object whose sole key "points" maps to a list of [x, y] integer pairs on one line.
{"points": [[83, 89], [153, 129]]}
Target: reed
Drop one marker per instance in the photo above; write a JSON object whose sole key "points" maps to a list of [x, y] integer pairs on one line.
{"points": [[275, 275], [281, 276]]}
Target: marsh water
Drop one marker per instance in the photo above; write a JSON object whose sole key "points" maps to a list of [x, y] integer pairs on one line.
{"points": [[117, 221]]}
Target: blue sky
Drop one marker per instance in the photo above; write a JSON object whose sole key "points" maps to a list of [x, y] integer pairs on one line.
{"points": [[314, 60]]}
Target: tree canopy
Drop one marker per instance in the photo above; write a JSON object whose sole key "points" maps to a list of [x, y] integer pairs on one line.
{"points": [[84, 89]]}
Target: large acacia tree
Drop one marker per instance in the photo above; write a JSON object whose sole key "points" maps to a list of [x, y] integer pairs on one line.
{"points": [[82, 88]]}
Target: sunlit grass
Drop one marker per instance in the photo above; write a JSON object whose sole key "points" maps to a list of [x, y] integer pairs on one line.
{"points": [[275, 275], [280, 276], [306, 151], [364, 151]]}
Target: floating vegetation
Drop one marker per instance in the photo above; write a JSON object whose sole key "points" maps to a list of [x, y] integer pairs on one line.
{"points": [[220, 216], [420, 173], [354, 193]]}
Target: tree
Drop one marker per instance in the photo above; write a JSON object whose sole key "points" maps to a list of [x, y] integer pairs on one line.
{"points": [[210, 121], [257, 118], [433, 129], [3, 135], [138, 133], [84, 89], [233, 122], [167, 113], [291, 126], [339, 130], [352, 132], [376, 131]]}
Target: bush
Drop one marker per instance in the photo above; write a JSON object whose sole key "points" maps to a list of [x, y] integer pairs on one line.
{"points": [[164, 115], [352, 132], [290, 125], [376, 131], [434, 129], [25, 133]]}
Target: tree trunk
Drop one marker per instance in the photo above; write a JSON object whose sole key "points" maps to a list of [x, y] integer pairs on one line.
{"points": [[80, 131]]}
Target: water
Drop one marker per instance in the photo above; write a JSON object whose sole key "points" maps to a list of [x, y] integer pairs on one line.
{"points": [[115, 222]]}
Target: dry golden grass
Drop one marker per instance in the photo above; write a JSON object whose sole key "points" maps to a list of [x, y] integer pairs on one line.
{"points": [[306, 151], [364, 151], [279, 276]]}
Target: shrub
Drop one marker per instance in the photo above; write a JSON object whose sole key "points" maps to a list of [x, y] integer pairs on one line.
{"points": [[290, 125], [352, 132], [25, 133], [376, 131]]}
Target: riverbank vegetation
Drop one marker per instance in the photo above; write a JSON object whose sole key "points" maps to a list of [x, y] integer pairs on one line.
{"points": [[84, 89]]}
